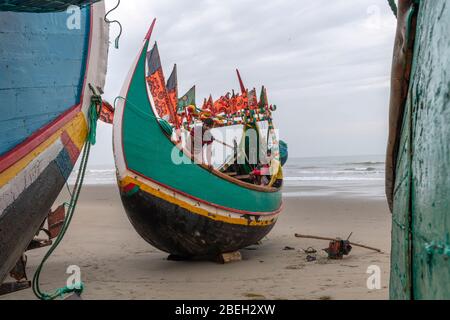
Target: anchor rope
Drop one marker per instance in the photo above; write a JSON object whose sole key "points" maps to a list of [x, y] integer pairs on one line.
{"points": [[116, 42], [90, 140]]}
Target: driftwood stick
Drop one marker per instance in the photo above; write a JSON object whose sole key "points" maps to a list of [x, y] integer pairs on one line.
{"points": [[331, 239]]}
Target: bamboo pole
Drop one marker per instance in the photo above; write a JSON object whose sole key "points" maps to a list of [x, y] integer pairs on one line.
{"points": [[225, 144], [297, 235]]}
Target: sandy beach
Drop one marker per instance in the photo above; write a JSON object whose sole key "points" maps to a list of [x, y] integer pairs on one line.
{"points": [[117, 264]]}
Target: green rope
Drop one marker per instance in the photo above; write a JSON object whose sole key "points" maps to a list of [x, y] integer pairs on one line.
{"points": [[393, 6], [96, 100], [79, 287], [114, 21]]}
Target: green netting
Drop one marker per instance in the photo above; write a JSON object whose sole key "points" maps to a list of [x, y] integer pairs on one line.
{"points": [[41, 5]]}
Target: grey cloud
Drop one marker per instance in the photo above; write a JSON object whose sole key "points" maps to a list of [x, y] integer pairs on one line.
{"points": [[325, 63]]}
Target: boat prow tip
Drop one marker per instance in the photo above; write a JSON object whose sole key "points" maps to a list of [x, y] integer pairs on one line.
{"points": [[150, 30]]}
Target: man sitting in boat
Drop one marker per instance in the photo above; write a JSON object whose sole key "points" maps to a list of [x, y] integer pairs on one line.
{"points": [[270, 173], [201, 136], [261, 174]]}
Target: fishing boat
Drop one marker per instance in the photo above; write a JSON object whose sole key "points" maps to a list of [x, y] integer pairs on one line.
{"points": [[52, 61], [418, 154], [180, 206]]}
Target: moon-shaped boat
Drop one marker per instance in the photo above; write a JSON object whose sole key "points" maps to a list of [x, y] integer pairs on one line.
{"points": [[181, 207]]}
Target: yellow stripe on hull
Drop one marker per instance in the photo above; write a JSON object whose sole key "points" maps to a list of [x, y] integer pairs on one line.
{"points": [[194, 209], [77, 131]]}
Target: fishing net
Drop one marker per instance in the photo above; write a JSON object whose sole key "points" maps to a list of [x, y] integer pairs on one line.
{"points": [[41, 5]]}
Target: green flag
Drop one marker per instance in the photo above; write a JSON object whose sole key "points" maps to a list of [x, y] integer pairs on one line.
{"points": [[263, 98], [186, 100]]}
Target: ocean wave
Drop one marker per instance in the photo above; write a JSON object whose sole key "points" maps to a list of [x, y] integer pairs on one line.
{"points": [[366, 163], [363, 169], [333, 179], [360, 171]]}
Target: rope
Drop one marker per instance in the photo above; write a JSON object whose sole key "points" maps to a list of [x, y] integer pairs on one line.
{"points": [[393, 6], [96, 100], [136, 108], [78, 287], [116, 45]]}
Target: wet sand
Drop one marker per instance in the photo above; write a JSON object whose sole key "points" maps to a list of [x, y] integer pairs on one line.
{"points": [[117, 264]]}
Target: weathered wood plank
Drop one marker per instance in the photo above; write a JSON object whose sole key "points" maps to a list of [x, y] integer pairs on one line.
{"points": [[431, 154], [400, 281], [420, 263]]}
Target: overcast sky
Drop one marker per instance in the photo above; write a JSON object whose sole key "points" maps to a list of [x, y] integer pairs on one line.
{"points": [[325, 63]]}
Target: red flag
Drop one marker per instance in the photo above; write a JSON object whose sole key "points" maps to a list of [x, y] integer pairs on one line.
{"points": [[241, 83], [158, 85], [106, 113], [241, 102], [208, 105], [222, 105]]}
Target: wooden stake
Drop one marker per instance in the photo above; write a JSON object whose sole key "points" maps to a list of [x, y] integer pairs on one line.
{"points": [[331, 239]]}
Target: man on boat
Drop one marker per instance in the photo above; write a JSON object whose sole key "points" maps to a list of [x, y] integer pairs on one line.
{"points": [[269, 173], [201, 136], [261, 174]]}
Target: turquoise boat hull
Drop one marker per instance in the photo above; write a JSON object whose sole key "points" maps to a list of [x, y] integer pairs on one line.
{"points": [[45, 71], [418, 171]]}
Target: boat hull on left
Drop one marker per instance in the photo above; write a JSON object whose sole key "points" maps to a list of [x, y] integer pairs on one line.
{"points": [[46, 71]]}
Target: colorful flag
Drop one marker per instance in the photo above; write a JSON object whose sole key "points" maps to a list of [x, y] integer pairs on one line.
{"points": [[157, 85], [252, 100], [106, 113], [263, 101], [172, 91], [222, 105], [241, 83], [240, 102], [208, 105], [186, 100]]}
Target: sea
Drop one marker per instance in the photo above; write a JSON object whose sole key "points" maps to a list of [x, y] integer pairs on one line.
{"points": [[339, 176], [319, 176]]}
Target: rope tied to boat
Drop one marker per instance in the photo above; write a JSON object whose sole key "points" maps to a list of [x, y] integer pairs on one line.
{"points": [[116, 42], [165, 125], [78, 287], [94, 113]]}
